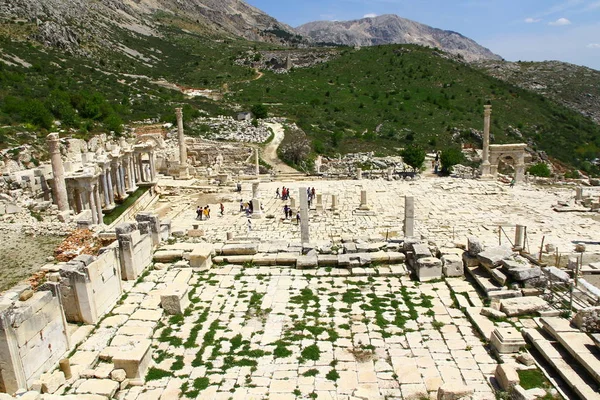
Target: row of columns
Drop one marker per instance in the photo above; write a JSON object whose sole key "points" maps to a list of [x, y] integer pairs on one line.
{"points": [[96, 187]]}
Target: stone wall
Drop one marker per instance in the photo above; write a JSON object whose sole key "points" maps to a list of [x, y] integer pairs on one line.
{"points": [[33, 336], [135, 249], [588, 320], [90, 286]]}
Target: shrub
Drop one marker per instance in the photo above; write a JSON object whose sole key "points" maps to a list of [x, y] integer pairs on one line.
{"points": [[259, 111], [414, 157], [449, 158], [539, 169]]}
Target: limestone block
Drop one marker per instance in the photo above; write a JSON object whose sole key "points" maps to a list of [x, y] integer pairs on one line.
{"points": [[452, 265], [306, 262], [239, 259], [134, 361], [492, 313], [556, 274], [264, 259], [470, 261], [474, 246], [506, 340], [428, 268], [350, 248], [343, 260], [526, 359], [327, 260], [507, 376], [454, 391], [421, 251], [174, 299], [239, 249], [396, 257], [201, 256], [168, 256], [118, 375], [103, 387], [522, 305], [287, 258], [51, 381], [588, 319], [380, 257], [31, 395], [524, 273], [362, 258], [499, 276], [493, 256]]}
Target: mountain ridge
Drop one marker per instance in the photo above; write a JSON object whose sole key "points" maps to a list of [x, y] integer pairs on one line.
{"points": [[392, 29]]}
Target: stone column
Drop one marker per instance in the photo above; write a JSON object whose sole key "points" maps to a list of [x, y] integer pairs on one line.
{"points": [[578, 193], [304, 232], [141, 168], [520, 169], [107, 201], [98, 205], [92, 202], [79, 200], [152, 166], [58, 171], [359, 173], [334, 202], [255, 189], [256, 162], [364, 202], [123, 181], [390, 174], [111, 193], [71, 197], [180, 135], [520, 237], [409, 216], [485, 162], [256, 211]]}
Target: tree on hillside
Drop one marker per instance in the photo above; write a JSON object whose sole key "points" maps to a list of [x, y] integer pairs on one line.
{"points": [[413, 156], [259, 111], [449, 158]]}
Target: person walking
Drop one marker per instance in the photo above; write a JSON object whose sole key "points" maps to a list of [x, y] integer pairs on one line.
{"points": [[277, 195], [298, 217], [249, 224], [198, 213], [285, 211], [208, 212], [241, 205], [222, 207]]}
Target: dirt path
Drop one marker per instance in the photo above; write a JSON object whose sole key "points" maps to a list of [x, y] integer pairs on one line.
{"points": [[269, 154]]}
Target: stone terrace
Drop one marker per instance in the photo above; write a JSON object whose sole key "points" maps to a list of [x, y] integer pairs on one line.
{"points": [[281, 333], [446, 210]]}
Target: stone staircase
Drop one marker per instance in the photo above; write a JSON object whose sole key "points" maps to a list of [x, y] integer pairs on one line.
{"points": [[572, 354]]}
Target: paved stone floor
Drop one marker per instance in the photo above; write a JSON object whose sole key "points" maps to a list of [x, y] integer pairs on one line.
{"points": [[279, 333], [447, 209]]}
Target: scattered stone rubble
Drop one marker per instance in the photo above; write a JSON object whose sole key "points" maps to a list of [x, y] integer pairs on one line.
{"points": [[228, 128]]}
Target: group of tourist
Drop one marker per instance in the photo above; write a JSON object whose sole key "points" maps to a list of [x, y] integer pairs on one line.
{"points": [[284, 195], [204, 212]]}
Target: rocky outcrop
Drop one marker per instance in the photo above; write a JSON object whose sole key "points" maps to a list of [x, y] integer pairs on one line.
{"points": [[573, 86], [391, 29]]}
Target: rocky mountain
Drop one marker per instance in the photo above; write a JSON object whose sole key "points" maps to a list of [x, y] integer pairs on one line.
{"points": [[574, 86], [391, 29], [78, 25]]}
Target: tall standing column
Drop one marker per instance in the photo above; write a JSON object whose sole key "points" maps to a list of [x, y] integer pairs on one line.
{"points": [[111, 193], [152, 166], [119, 182], [409, 216], [304, 231], [104, 181], [256, 163], [92, 202], [485, 162], [98, 205], [182, 148], [364, 202], [58, 170]]}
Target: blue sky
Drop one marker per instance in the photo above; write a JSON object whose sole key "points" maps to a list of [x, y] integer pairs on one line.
{"points": [[528, 30]]}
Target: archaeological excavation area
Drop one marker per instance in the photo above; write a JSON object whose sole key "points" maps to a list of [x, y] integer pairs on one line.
{"points": [[378, 285]]}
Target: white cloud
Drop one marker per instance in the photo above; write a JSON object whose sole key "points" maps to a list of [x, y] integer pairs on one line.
{"points": [[593, 46], [560, 22], [371, 15], [532, 20]]}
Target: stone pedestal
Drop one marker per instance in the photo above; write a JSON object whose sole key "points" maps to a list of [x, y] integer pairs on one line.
{"points": [[304, 230], [506, 340], [359, 173], [319, 204], [520, 237], [409, 216], [364, 203], [428, 268], [256, 211], [578, 193], [255, 186], [334, 202]]}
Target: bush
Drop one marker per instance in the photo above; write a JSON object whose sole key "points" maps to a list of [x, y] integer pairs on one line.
{"points": [[539, 169], [414, 157], [449, 158], [259, 111]]}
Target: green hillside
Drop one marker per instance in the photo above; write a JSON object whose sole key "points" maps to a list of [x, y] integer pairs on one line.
{"points": [[377, 98], [381, 98]]}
